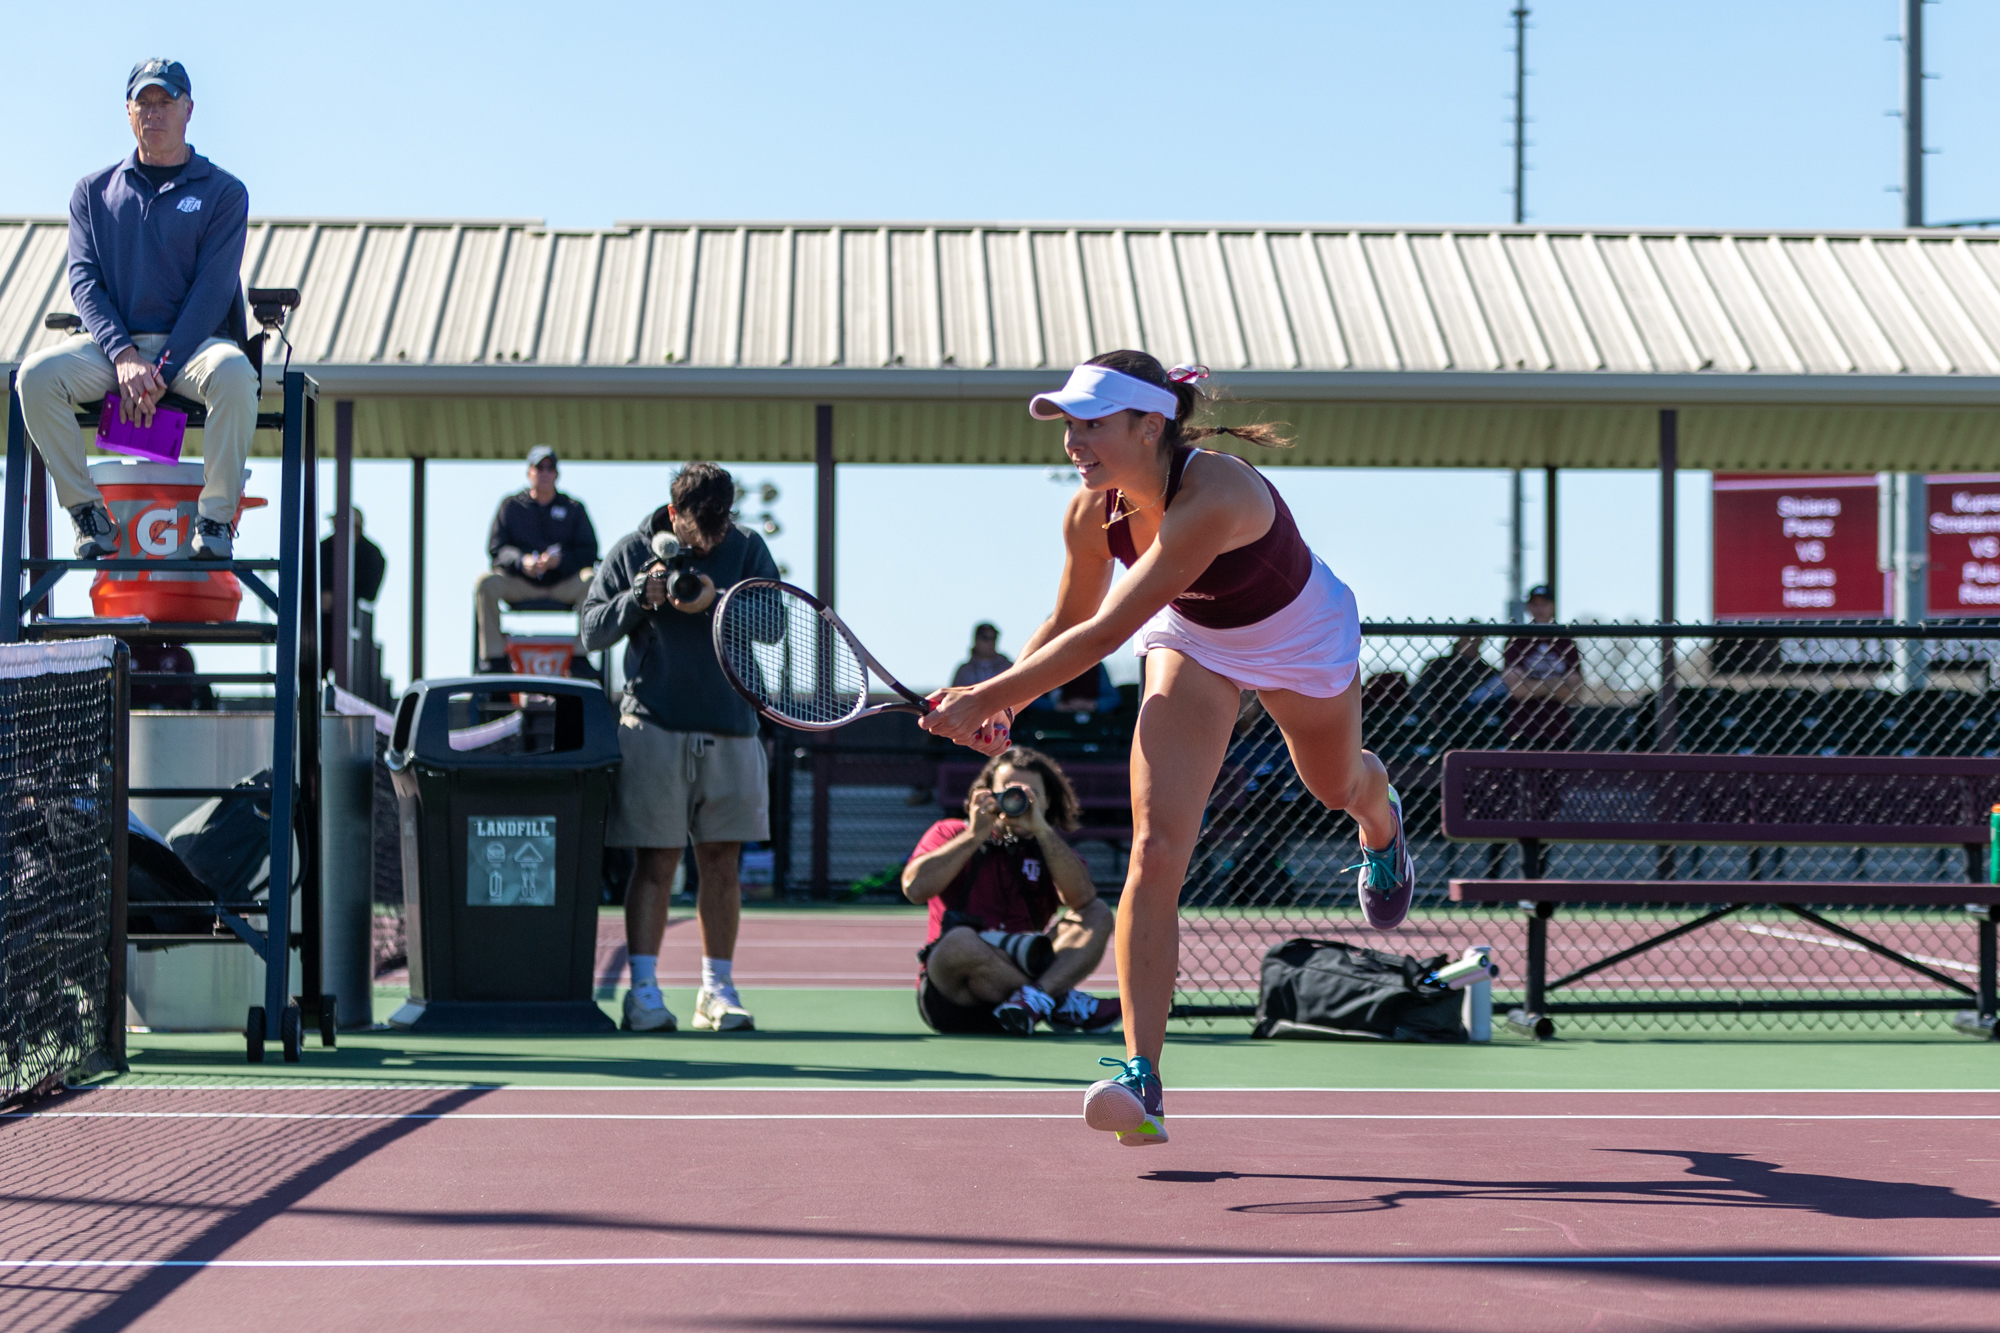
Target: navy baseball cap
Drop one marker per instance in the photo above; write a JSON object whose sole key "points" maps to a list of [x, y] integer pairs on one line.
{"points": [[1543, 591], [540, 453], [158, 72]]}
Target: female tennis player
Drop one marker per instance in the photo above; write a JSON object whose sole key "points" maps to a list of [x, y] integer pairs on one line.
{"points": [[1224, 596]]}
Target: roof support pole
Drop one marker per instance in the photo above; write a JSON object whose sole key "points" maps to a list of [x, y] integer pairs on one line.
{"points": [[1666, 706], [340, 629], [416, 570], [1516, 563], [823, 584], [1549, 529], [1665, 720]]}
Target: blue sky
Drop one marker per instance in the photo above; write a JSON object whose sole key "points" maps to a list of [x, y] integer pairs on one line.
{"points": [[1762, 114]]}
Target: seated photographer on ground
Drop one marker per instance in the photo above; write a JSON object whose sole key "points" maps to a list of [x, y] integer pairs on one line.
{"points": [[1015, 921]]}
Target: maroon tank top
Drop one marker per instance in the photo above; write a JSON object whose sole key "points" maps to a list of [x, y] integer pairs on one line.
{"points": [[1239, 587]]}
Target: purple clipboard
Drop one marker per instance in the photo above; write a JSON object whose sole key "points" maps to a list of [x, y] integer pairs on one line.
{"points": [[157, 443]]}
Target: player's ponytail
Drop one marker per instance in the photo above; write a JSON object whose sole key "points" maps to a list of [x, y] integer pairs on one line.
{"points": [[1192, 403]]}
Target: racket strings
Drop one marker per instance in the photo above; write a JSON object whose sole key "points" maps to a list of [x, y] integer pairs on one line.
{"points": [[789, 658]]}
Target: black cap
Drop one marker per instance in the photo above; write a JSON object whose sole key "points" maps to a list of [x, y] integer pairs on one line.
{"points": [[158, 72], [1543, 591]]}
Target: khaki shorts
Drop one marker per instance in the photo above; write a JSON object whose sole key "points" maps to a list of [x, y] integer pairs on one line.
{"points": [[680, 785]]}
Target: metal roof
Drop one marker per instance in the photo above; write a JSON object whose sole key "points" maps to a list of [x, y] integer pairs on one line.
{"points": [[908, 312]]}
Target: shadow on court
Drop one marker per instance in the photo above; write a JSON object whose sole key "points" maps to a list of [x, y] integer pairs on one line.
{"points": [[1726, 1180], [73, 1195], [504, 1061]]}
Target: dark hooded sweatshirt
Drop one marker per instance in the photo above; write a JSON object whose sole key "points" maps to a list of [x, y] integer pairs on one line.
{"points": [[671, 676]]}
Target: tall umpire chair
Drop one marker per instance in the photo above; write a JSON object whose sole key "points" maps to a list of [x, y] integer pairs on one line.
{"points": [[27, 576]]}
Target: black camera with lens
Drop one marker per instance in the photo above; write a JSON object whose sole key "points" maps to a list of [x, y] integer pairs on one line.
{"points": [[1015, 801], [683, 584]]}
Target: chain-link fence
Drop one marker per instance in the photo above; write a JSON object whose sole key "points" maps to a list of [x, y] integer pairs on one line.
{"points": [[1272, 861]]}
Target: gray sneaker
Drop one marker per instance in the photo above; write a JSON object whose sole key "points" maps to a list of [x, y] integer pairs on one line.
{"points": [[96, 536], [213, 540]]}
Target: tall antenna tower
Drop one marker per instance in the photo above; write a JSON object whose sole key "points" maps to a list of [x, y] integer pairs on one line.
{"points": [[1913, 113], [1521, 112]]}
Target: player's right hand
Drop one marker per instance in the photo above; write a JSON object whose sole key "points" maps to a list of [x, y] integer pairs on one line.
{"points": [[985, 813]]}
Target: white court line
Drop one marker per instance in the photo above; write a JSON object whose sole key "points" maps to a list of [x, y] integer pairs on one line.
{"points": [[280, 1085], [1039, 1261], [903, 1115]]}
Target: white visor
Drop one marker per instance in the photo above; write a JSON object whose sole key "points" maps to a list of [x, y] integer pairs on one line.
{"points": [[1099, 391]]}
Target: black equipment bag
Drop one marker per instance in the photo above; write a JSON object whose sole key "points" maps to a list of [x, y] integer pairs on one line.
{"points": [[1327, 989], [153, 874], [226, 842]]}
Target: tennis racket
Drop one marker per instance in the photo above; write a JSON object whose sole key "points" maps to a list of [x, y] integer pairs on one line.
{"points": [[799, 665]]}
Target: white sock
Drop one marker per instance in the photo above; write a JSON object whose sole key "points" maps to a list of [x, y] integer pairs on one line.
{"points": [[645, 970], [715, 973]]}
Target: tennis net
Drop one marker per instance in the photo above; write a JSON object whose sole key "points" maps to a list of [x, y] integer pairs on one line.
{"points": [[60, 813]]}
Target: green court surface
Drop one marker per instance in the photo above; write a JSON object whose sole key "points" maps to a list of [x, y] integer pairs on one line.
{"points": [[856, 1038]]}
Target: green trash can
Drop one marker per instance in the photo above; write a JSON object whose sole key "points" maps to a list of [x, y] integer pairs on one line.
{"points": [[503, 785]]}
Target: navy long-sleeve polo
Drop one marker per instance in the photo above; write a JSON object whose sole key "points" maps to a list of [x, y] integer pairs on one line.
{"points": [[167, 261]]}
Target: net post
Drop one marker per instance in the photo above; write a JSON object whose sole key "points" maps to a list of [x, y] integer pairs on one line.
{"points": [[1536, 982], [10, 522], [121, 782]]}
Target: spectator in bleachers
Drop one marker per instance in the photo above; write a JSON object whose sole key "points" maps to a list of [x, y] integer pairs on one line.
{"points": [[155, 257], [1015, 922], [542, 547], [1090, 693], [1544, 678], [986, 661], [370, 567], [1451, 686]]}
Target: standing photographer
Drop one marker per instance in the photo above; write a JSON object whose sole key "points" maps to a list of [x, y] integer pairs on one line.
{"points": [[1015, 921], [693, 765]]}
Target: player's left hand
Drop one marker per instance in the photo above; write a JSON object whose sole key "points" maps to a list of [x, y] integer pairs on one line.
{"points": [[961, 716], [704, 601]]}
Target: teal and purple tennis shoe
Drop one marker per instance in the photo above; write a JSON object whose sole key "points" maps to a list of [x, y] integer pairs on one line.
{"points": [[1388, 876]]}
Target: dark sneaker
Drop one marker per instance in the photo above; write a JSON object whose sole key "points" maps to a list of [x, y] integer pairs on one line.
{"points": [[1081, 1012], [96, 536], [1388, 877], [213, 540], [1132, 1106], [1019, 1012]]}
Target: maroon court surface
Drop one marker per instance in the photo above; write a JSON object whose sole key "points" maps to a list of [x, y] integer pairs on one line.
{"points": [[500, 1209]]}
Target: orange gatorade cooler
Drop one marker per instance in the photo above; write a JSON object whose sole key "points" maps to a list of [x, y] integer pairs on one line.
{"points": [[540, 655], [153, 508]]}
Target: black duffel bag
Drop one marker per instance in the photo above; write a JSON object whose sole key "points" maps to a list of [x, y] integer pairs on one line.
{"points": [[1327, 989]]}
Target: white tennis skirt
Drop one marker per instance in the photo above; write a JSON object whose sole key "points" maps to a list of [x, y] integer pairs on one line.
{"points": [[1312, 647]]}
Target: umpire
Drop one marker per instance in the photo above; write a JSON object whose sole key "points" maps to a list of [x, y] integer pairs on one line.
{"points": [[694, 768]]}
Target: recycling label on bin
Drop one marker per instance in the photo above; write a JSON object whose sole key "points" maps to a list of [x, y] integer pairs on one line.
{"points": [[510, 861]]}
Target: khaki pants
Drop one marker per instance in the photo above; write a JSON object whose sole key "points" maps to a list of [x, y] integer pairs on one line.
{"points": [[57, 380], [497, 585]]}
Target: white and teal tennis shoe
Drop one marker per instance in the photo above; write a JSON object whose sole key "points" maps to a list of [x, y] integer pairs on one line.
{"points": [[1132, 1105]]}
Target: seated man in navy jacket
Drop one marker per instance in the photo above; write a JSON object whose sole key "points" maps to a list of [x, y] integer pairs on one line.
{"points": [[155, 253], [542, 547]]}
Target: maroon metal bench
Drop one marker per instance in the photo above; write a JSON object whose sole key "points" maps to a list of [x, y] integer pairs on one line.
{"points": [[1668, 800]]}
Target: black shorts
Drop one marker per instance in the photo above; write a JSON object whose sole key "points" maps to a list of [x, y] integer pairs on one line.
{"points": [[941, 1015]]}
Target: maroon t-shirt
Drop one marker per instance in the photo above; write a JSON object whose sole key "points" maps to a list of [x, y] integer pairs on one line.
{"points": [[1541, 723], [1006, 885]]}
